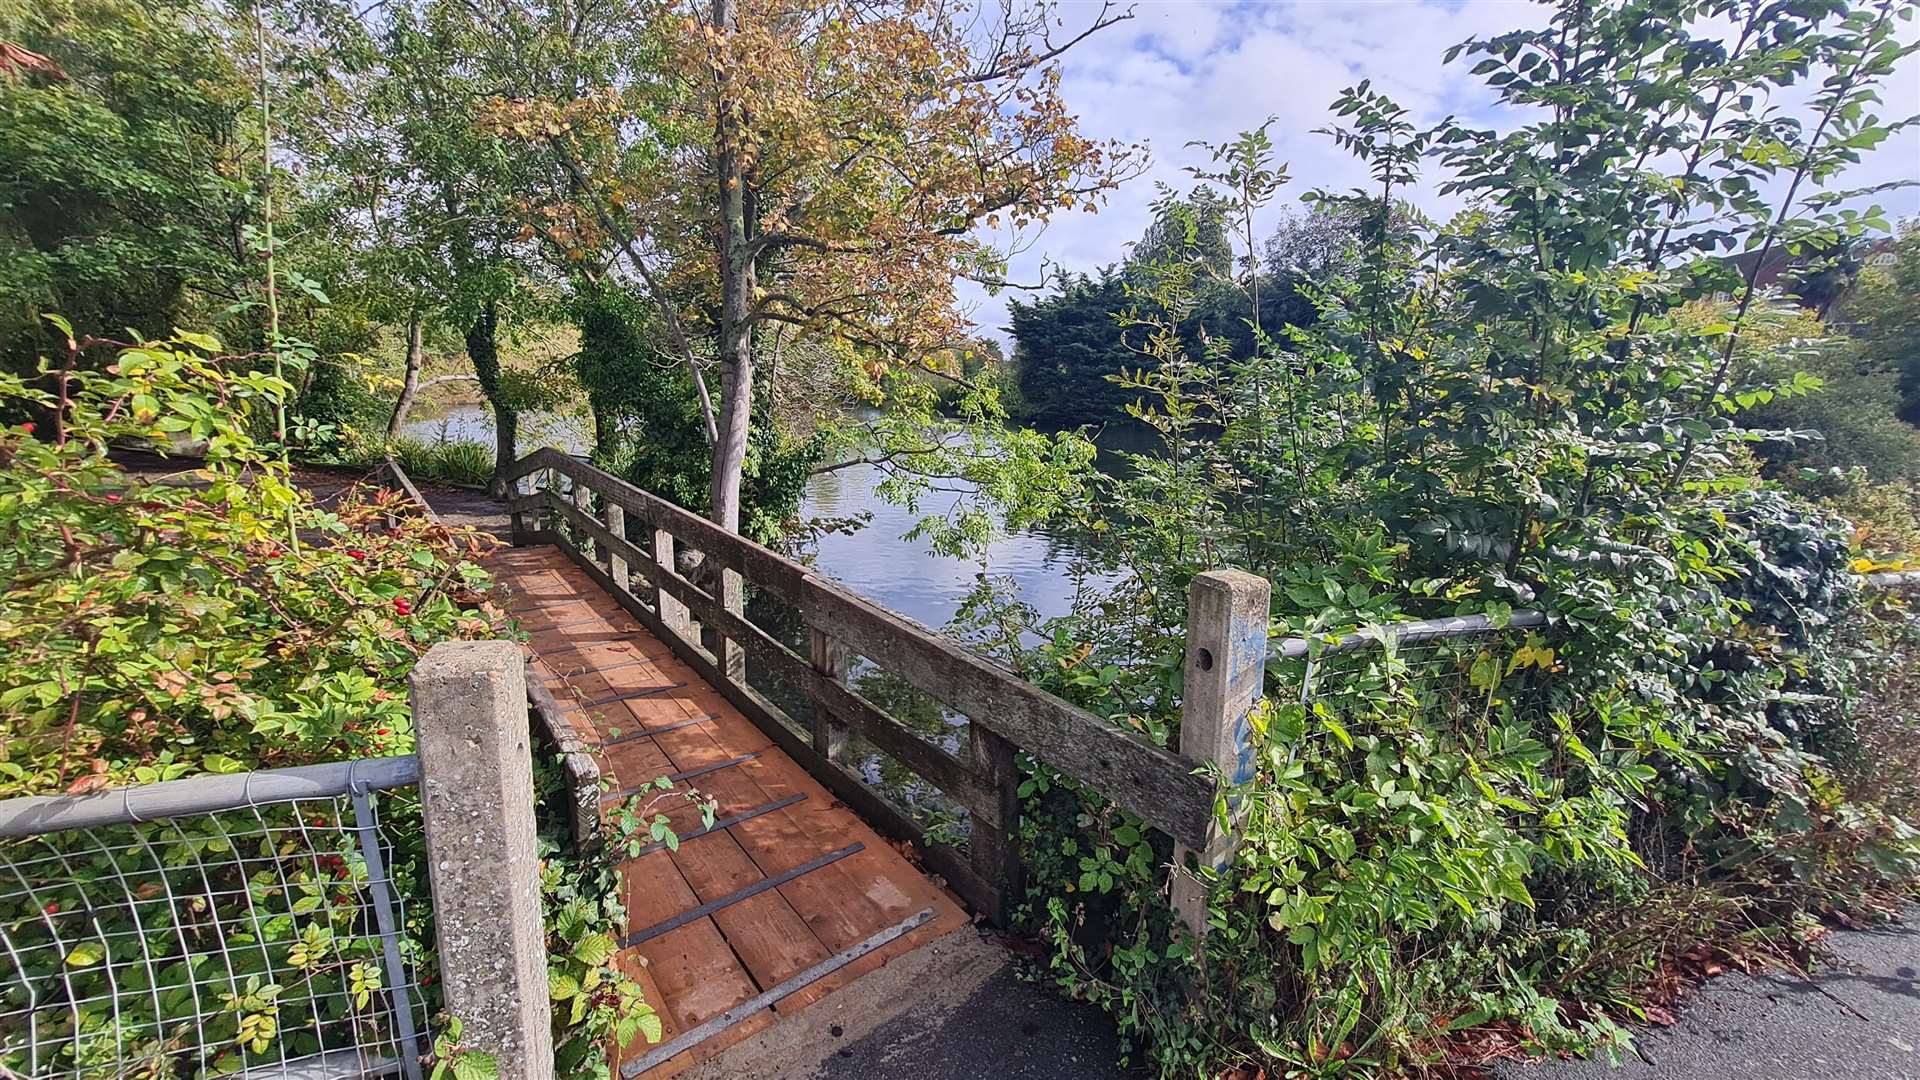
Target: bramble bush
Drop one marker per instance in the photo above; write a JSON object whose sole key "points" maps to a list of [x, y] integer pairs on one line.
{"points": [[152, 629], [217, 620]]}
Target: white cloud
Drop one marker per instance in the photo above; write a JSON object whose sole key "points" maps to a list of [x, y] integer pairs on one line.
{"points": [[1185, 70]]}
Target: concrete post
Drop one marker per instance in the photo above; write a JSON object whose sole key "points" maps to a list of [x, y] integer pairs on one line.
{"points": [[1227, 612], [476, 795]]}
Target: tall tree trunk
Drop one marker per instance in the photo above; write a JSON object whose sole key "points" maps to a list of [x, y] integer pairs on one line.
{"points": [[736, 298], [484, 350], [410, 383]]}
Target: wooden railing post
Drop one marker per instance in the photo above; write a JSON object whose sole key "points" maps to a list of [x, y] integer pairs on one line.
{"points": [[673, 613], [476, 801], [829, 731], [617, 525], [1227, 614], [729, 654], [994, 844], [583, 502], [522, 485]]}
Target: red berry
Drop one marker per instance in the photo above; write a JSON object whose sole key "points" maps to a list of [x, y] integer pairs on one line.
{"points": [[274, 554], [383, 731], [356, 553], [113, 498], [52, 908], [403, 605], [28, 428]]}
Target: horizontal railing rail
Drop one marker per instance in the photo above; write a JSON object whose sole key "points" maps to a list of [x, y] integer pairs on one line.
{"points": [[1004, 712], [405, 483], [210, 794]]}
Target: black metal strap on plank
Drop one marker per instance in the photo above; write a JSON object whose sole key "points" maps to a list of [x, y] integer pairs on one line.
{"points": [[550, 659], [687, 774], [766, 999], [634, 695], [626, 631], [629, 736], [738, 895], [727, 822]]}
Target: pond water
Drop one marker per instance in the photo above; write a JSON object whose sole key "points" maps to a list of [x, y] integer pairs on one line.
{"points": [[879, 561]]}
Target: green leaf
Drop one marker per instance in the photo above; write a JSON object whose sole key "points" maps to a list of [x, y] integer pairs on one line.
{"points": [[594, 949], [474, 1065]]}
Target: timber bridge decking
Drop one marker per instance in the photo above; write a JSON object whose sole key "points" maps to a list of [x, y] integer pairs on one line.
{"points": [[803, 883]]}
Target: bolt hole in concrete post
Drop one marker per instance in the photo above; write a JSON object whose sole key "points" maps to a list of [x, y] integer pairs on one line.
{"points": [[476, 798], [1227, 612]]}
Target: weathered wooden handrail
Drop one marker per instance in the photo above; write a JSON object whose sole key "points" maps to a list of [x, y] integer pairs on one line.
{"points": [[1005, 713], [405, 483]]}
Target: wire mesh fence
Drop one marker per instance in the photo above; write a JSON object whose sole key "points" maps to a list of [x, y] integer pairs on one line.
{"points": [[262, 925], [1439, 673]]}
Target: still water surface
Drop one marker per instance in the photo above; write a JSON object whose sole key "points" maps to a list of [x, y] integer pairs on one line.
{"points": [[878, 561]]}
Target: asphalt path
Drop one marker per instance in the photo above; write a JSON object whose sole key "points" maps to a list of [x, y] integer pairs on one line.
{"points": [[1858, 1018]]}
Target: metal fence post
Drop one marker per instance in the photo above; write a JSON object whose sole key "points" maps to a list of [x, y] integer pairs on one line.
{"points": [[476, 795], [1227, 613]]}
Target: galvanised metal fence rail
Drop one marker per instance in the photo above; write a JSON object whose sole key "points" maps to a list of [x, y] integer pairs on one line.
{"points": [[1435, 664], [251, 924]]}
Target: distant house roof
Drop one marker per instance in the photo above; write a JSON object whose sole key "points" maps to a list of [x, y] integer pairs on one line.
{"points": [[18, 63], [1780, 261]]}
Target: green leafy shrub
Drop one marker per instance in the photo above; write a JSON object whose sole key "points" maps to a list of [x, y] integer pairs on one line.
{"points": [[1520, 407], [456, 461], [463, 462], [223, 620], [152, 630]]}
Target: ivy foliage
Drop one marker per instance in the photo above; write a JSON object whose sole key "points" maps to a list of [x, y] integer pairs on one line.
{"points": [[648, 425]]}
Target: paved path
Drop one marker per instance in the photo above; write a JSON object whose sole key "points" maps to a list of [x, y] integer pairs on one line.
{"points": [[1859, 1019]]}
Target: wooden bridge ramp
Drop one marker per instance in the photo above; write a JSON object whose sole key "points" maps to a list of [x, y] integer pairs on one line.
{"points": [[789, 895]]}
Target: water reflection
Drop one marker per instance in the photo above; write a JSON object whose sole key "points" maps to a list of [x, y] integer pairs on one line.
{"points": [[882, 564], [878, 562]]}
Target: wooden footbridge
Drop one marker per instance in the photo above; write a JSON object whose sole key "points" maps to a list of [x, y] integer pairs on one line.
{"points": [[807, 879]]}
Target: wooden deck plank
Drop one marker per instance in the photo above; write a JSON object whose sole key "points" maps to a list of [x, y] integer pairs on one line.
{"points": [[590, 649]]}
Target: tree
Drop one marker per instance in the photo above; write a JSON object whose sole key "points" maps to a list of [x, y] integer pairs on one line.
{"points": [[1885, 310], [854, 148], [399, 172], [122, 155], [1070, 343]]}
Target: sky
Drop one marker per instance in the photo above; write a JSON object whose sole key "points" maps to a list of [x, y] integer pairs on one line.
{"points": [[1183, 70]]}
